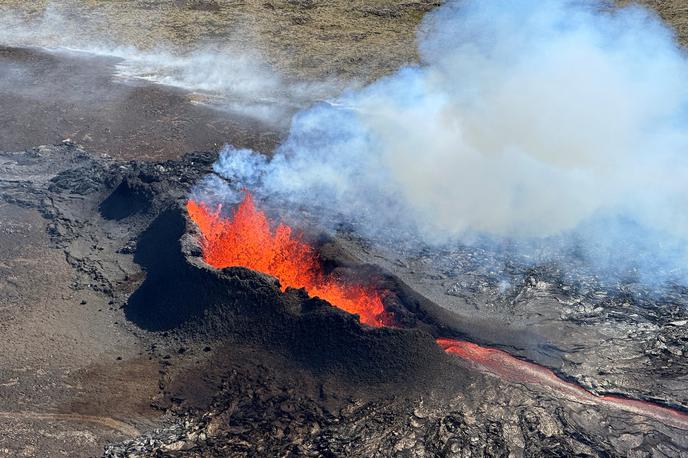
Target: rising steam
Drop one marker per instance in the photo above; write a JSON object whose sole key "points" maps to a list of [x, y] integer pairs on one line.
{"points": [[556, 123], [228, 75]]}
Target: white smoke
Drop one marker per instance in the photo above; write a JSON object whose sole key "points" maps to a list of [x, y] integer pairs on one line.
{"points": [[550, 122], [227, 75]]}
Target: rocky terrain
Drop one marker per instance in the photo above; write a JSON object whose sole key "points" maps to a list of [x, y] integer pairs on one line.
{"points": [[304, 38], [610, 338]]}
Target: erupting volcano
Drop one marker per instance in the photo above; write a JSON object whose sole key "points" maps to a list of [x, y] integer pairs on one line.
{"points": [[246, 239], [507, 367]]}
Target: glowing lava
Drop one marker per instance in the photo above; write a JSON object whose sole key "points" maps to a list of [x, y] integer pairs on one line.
{"points": [[246, 239], [507, 367]]}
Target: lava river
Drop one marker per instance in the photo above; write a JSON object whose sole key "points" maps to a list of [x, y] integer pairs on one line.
{"points": [[246, 239]]}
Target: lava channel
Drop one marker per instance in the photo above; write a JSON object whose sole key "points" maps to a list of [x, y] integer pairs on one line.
{"points": [[246, 240], [510, 368]]}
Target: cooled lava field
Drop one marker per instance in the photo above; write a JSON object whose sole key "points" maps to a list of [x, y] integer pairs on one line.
{"points": [[253, 248]]}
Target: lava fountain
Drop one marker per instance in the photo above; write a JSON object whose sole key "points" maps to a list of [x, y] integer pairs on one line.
{"points": [[246, 239]]}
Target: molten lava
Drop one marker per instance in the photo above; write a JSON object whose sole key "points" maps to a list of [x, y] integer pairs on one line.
{"points": [[247, 240], [507, 367]]}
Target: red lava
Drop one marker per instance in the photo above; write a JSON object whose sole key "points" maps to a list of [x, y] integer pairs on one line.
{"points": [[247, 239], [507, 367]]}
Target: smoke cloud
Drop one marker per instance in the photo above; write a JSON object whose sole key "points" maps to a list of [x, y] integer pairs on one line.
{"points": [[227, 75], [556, 125]]}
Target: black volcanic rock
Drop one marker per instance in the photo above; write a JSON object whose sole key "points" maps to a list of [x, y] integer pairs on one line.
{"points": [[183, 294]]}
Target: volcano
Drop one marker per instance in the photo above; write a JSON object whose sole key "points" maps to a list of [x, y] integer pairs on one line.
{"points": [[452, 234], [245, 239]]}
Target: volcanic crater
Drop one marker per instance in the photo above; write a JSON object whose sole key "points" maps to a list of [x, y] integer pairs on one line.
{"points": [[139, 319]]}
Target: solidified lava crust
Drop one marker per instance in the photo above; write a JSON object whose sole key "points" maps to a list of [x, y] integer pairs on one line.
{"points": [[507, 367]]}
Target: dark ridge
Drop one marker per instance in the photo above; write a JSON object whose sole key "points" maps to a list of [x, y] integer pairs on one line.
{"points": [[412, 309], [131, 196], [166, 298]]}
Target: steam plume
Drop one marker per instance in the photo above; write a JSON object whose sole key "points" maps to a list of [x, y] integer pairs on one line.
{"points": [[550, 123], [228, 75]]}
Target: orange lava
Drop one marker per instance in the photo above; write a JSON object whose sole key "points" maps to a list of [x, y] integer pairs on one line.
{"points": [[246, 239], [507, 367]]}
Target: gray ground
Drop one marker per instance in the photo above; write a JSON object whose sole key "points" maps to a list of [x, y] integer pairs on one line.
{"points": [[609, 339], [63, 390], [47, 98]]}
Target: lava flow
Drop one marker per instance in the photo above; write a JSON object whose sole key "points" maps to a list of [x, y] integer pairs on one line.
{"points": [[247, 240], [509, 368]]}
